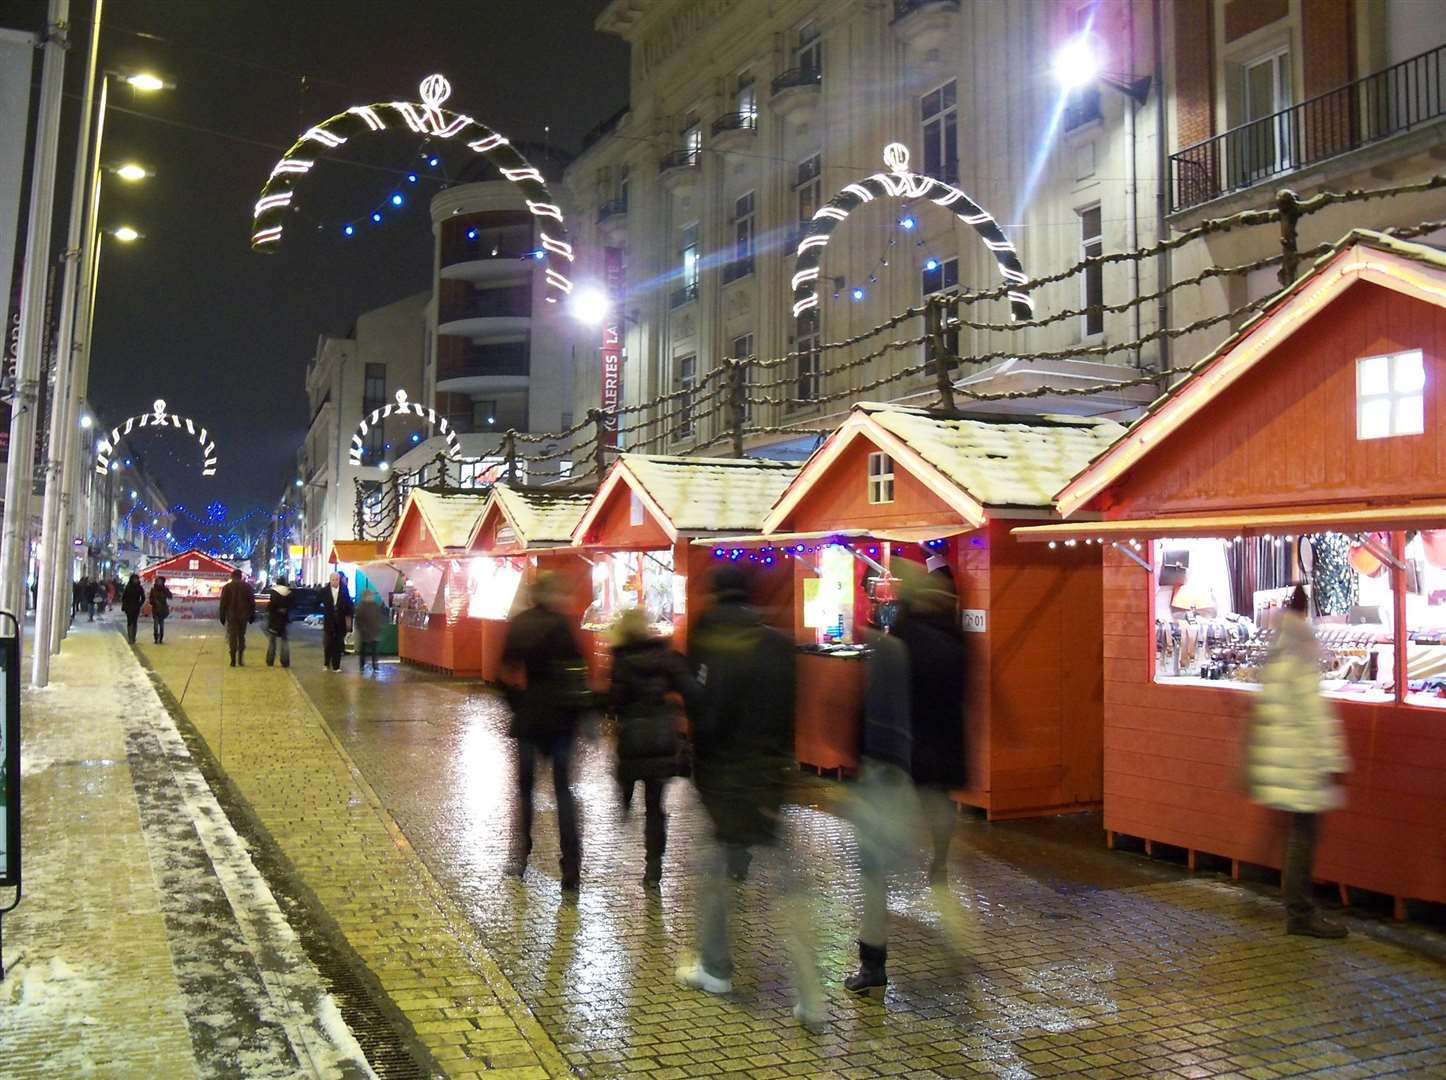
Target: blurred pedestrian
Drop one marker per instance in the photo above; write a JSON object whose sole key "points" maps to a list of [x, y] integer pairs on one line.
{"points": [[651, 747], [547, 688], [743, 767], [160, 600], [912, 755], [336, 613], [97, 597], [1295, 756], [237, 611], [133, 598], [369, 618], [80, 596], [279, 599]]}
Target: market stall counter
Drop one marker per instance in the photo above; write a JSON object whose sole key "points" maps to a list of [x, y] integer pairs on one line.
{"points": [[943, 490], [1306, 450], [429, 544]]}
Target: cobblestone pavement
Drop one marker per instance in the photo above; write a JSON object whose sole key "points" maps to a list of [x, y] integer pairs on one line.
{"points": [[146, 943], [1079, 961]]}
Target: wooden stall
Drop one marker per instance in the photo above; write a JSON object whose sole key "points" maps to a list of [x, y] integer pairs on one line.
{"points": [[195, 580], [638, 532], [364, 565], [1307, 449], [517, 525], [944, 490], [430, 545]]}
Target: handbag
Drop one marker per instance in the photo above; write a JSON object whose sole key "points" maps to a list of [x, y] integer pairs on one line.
{"points": [[1175, 567]]}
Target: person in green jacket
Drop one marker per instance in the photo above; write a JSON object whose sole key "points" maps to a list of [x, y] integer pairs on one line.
{"points": [[1295, 754]]}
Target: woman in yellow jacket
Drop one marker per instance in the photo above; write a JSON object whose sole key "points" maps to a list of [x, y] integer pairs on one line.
{"points": [[1295, 755]]}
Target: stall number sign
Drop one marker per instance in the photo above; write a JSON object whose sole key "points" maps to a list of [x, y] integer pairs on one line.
{"points": [[973, 620], [10, 762]]}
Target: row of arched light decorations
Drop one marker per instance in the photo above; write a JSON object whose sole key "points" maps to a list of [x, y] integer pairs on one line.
{"points": [[430, 119]]}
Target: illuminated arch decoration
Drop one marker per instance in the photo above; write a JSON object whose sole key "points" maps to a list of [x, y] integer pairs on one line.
{"points": [[403, 407], [900, 183], [428, 118], [156, 418]]}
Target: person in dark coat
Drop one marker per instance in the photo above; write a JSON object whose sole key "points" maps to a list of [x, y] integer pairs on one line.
{"points": [[744, 769], [645, 672], [336, 613], [133, 598], [97, 598], [160, 600], [79, 596], [237, 611], [546, 676], [370, 617], [279, 599], [912, 754]]}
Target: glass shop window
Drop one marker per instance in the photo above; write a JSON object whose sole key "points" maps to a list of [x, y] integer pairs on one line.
{"points": [[1218, 606], [635, 579], [881, 478], [828, 596], [1391, 395], [1426, 618]]}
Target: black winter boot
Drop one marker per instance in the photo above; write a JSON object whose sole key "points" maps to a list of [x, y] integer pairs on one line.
{"points": [[871, 969]]}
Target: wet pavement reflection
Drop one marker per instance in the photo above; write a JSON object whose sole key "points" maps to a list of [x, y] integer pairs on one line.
{"points": [[1078, 960]]}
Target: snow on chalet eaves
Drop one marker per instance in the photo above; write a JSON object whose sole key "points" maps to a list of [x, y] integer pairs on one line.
{"points": [[542, 516], [711, 495], [450, 517]]}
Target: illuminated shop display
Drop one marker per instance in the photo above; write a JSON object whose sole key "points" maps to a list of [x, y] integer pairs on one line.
{"points": [[635, 579], [155, 419], [492, 586], [900, 183], [403, 407], [429, 119], [828, 599]]}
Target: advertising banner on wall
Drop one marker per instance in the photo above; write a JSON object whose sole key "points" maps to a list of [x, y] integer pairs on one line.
{"points": [[612, 343], [17, 58]]}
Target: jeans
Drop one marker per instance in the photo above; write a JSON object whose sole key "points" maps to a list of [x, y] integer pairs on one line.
{"points": [[889, 814], [158, 628], [1295, 872], [362, 649], [789, 907], [272, 641], [559, 748], [236, 642], [131, 621]]}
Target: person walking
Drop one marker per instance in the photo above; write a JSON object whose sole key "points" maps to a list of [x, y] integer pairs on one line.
{"points": [[133, 598], [916, 684], [97, 598], [546, 687], [743, 768], [160, 600], [651, 746], [238, 610], [79, 595], [1295, 755], [369, 618], [279, 599], [336, 613]]}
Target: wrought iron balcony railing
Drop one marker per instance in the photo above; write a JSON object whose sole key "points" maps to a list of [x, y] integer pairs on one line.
{"points": [[736, 121], [1391, 101], [680, 159], [683, 294], [738, 268], [799, 76], [612, 208], [904, 8]]}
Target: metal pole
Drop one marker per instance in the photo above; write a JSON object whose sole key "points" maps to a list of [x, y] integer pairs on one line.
{"points": [[15, 537], [51, 550]]}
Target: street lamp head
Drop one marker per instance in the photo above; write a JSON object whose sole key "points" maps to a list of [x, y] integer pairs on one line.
{"points": [[300, 482], [146, 82], [590, 306], [86, 422], [131, 172], [125, 234], [1077, 63]]}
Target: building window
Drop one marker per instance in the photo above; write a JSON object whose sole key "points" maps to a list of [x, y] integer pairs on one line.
{"points": [[688, 266], [808, 364], [374, 396], [1260, 143], [741, 350], [743, 227], [693, 140], [484, 414], [808, 53], [809, 187], [623, 188], [1391, 395], [1092, 283], [940, 114], [746, 99], [685, 377], [881, 478], [938, 277], [635, 509]]}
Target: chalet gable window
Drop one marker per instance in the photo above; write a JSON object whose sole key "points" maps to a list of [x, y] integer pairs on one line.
{"points": [[881, 478], [1391, 395]]}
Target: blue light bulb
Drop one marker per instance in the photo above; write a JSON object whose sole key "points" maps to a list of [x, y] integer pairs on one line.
{"points": [[539, 254], [411, 178], [349, 230], [377, 216], [858, 295], [471, 234], [932, 264], [432, 162], [396, 198], [907, 224]]}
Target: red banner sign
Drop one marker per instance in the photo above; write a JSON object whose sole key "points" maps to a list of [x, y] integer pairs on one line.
{"points": [[612, 343]]}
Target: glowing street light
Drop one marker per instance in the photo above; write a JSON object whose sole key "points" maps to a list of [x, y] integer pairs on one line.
{"points": [[1077, 63], [146, 82], [125, 234], [86, 422], [590, 306], [131, 172]]}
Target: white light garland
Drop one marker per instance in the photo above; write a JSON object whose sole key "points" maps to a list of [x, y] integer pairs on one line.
{"points": [[425, 117], [900, 183], [156, 418], [402, 407]]}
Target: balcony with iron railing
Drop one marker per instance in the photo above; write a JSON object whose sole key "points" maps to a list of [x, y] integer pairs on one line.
{"points": [[1399, 99], [739, 268], [797, 78], [612, 208], [683, 294], [735, 121], [686, 158]]}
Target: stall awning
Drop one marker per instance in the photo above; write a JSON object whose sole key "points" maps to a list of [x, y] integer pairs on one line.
{"points": [[909, 534], [356, 551], [1367, 519]]}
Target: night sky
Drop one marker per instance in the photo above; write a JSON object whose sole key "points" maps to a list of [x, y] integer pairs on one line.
{"points": [[189, 313]]}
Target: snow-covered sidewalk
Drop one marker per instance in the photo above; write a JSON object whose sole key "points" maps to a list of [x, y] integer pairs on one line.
{"points": [[146, 943]]}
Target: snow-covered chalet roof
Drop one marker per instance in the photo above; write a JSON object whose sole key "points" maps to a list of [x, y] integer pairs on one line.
{"points": [[449, 516], [710, 495], [540, 515]]}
